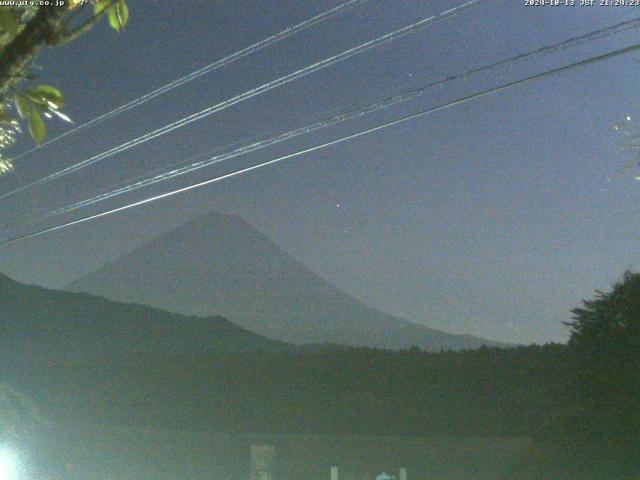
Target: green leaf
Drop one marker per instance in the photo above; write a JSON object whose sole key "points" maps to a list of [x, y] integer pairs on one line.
{"points": [[123, 12], [112, 17], [118, 15], [8, 21], [48, 91], [46, 95], [36, 127], [23, 106], [101, 5]]}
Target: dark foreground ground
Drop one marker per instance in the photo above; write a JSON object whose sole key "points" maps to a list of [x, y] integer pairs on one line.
{"points": [[84, 452]]}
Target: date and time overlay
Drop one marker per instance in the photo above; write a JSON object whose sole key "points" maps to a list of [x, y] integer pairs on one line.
{"points": [[582, 3]]}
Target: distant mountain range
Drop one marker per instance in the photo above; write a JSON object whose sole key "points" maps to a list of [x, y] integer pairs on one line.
{"points": [[220, 265], [40, 325], [84, 359]]}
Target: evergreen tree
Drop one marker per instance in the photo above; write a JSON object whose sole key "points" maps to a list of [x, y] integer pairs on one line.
{"points": [[606, 338]]}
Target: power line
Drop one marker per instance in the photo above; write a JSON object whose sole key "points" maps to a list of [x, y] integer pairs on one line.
{"points": [[342, 117], [382, 126], [218, 64], [389, 37]]}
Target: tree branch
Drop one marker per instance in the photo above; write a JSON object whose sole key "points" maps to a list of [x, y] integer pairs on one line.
{"points": [[41, 30], [69, 35]]}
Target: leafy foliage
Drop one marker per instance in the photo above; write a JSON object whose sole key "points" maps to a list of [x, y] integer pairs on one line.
{"points": [[117, 12], [35, 102], [8, 21], [32, 103]]}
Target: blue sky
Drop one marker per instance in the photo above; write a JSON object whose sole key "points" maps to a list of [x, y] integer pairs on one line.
{"points": [[493, 218]]}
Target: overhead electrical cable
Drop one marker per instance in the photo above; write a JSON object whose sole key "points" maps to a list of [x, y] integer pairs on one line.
{"points": [[218, 64], [422, 113], [167, 174], [389, 37]]}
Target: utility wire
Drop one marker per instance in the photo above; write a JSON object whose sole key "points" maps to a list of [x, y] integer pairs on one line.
{"points": [[422, 113], [223, 62], [145, 181], [389, 37]]}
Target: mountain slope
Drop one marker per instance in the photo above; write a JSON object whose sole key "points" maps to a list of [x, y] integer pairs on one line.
{"points": [[219, 265], [37, 324]]}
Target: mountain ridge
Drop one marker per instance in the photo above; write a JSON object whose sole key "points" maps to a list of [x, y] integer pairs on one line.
{"points": [[218, 264], [44, 325]]}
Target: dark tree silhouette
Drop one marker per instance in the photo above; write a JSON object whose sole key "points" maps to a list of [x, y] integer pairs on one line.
{"points": [[606, 337]]}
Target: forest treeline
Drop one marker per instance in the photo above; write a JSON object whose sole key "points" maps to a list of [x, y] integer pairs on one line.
{"points": [[529, 391], [359, 390], [579, 400]]}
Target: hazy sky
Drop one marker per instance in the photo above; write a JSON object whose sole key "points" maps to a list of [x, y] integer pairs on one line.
{"points": [[494, 218]]}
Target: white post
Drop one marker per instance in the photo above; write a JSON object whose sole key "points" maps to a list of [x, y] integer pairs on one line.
{"points": [[334, 473], [403, 474]]}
